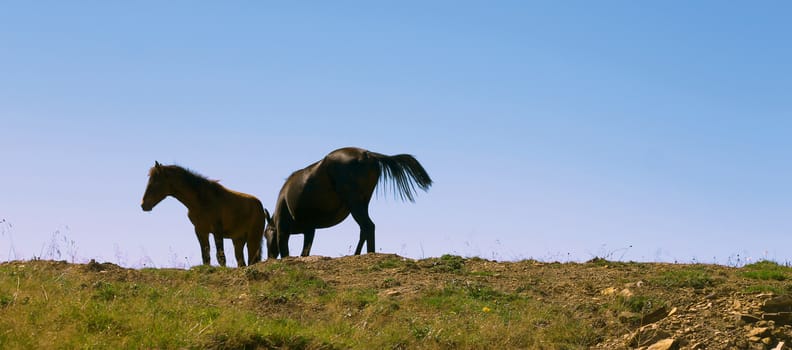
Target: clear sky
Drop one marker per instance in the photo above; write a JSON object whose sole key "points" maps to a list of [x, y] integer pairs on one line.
{"points": [[555, 130]]}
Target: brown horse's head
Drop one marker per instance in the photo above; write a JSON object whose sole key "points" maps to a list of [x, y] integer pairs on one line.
{"points": [[157, 189]]}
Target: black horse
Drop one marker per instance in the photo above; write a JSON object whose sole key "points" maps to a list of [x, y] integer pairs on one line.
{"points": [[324, 193]]}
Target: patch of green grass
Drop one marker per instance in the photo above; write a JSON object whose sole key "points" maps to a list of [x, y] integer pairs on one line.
{"points": [[389, 262], [637, 303], [696, 277], [766, 270], [484, 292], [390, 282], [465, 296], [526, 323], [359, 298], [531, 285], [287, 283], [481, 273], [419, 330], [6, 300], [259, 333], [756, 289], [597, 261], [602, 262], [104, 291], [448, 263]]}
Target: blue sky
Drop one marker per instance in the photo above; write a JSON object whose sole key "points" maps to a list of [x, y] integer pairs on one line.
{"points": [[553, 130]]}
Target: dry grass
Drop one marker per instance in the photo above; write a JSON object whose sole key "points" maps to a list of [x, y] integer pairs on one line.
{"points": [[276, 304], [357, 302]]}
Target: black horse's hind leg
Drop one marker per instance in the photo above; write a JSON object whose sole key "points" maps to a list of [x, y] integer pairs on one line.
{"points": [[308, 241], [221, 258], [239, 246], [361, 216], [203, 240]]}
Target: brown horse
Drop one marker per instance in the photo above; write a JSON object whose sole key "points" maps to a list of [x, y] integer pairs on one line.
{"points": [[326, 192], [211, 208]]}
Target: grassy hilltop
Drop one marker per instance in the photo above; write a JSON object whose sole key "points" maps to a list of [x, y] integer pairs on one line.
{"points": [[378, 301]]}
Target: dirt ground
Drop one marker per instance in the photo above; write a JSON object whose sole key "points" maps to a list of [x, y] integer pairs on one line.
{"points": [[635, 305]]}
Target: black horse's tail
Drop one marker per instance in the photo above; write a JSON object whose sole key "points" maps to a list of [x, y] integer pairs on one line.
{"points": [[403, 171]]}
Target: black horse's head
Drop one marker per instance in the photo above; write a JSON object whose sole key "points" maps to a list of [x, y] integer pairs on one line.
{"points": [[270, 234]]}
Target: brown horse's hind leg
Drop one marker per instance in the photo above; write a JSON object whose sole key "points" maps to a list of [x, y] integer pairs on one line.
{"points": [[203, 240], [308, 241], [254, 249], [221, 258], [361, 216], [239, 246]]}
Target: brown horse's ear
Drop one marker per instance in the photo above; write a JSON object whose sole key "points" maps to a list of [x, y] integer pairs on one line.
{"points": [[267, 216], [157, 164]]}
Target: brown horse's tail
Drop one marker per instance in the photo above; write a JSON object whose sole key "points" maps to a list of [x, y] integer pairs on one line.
{"points": [[404, 172]]}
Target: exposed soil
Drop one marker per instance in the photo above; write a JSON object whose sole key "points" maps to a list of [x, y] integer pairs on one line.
{"points": [[634, 305]]}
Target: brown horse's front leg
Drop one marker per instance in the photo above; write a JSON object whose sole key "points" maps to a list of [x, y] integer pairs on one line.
{"points": [[221, 258], [203, 240], [239, 245]]}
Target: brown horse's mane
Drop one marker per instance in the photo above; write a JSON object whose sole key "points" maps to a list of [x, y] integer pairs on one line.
{"points": [[191, 178]]}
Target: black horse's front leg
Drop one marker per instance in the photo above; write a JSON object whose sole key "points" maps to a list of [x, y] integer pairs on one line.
{"points": [[221, 258], [282, 232], [308, 242], [272, 244], [203, 240], [283, 244]]}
